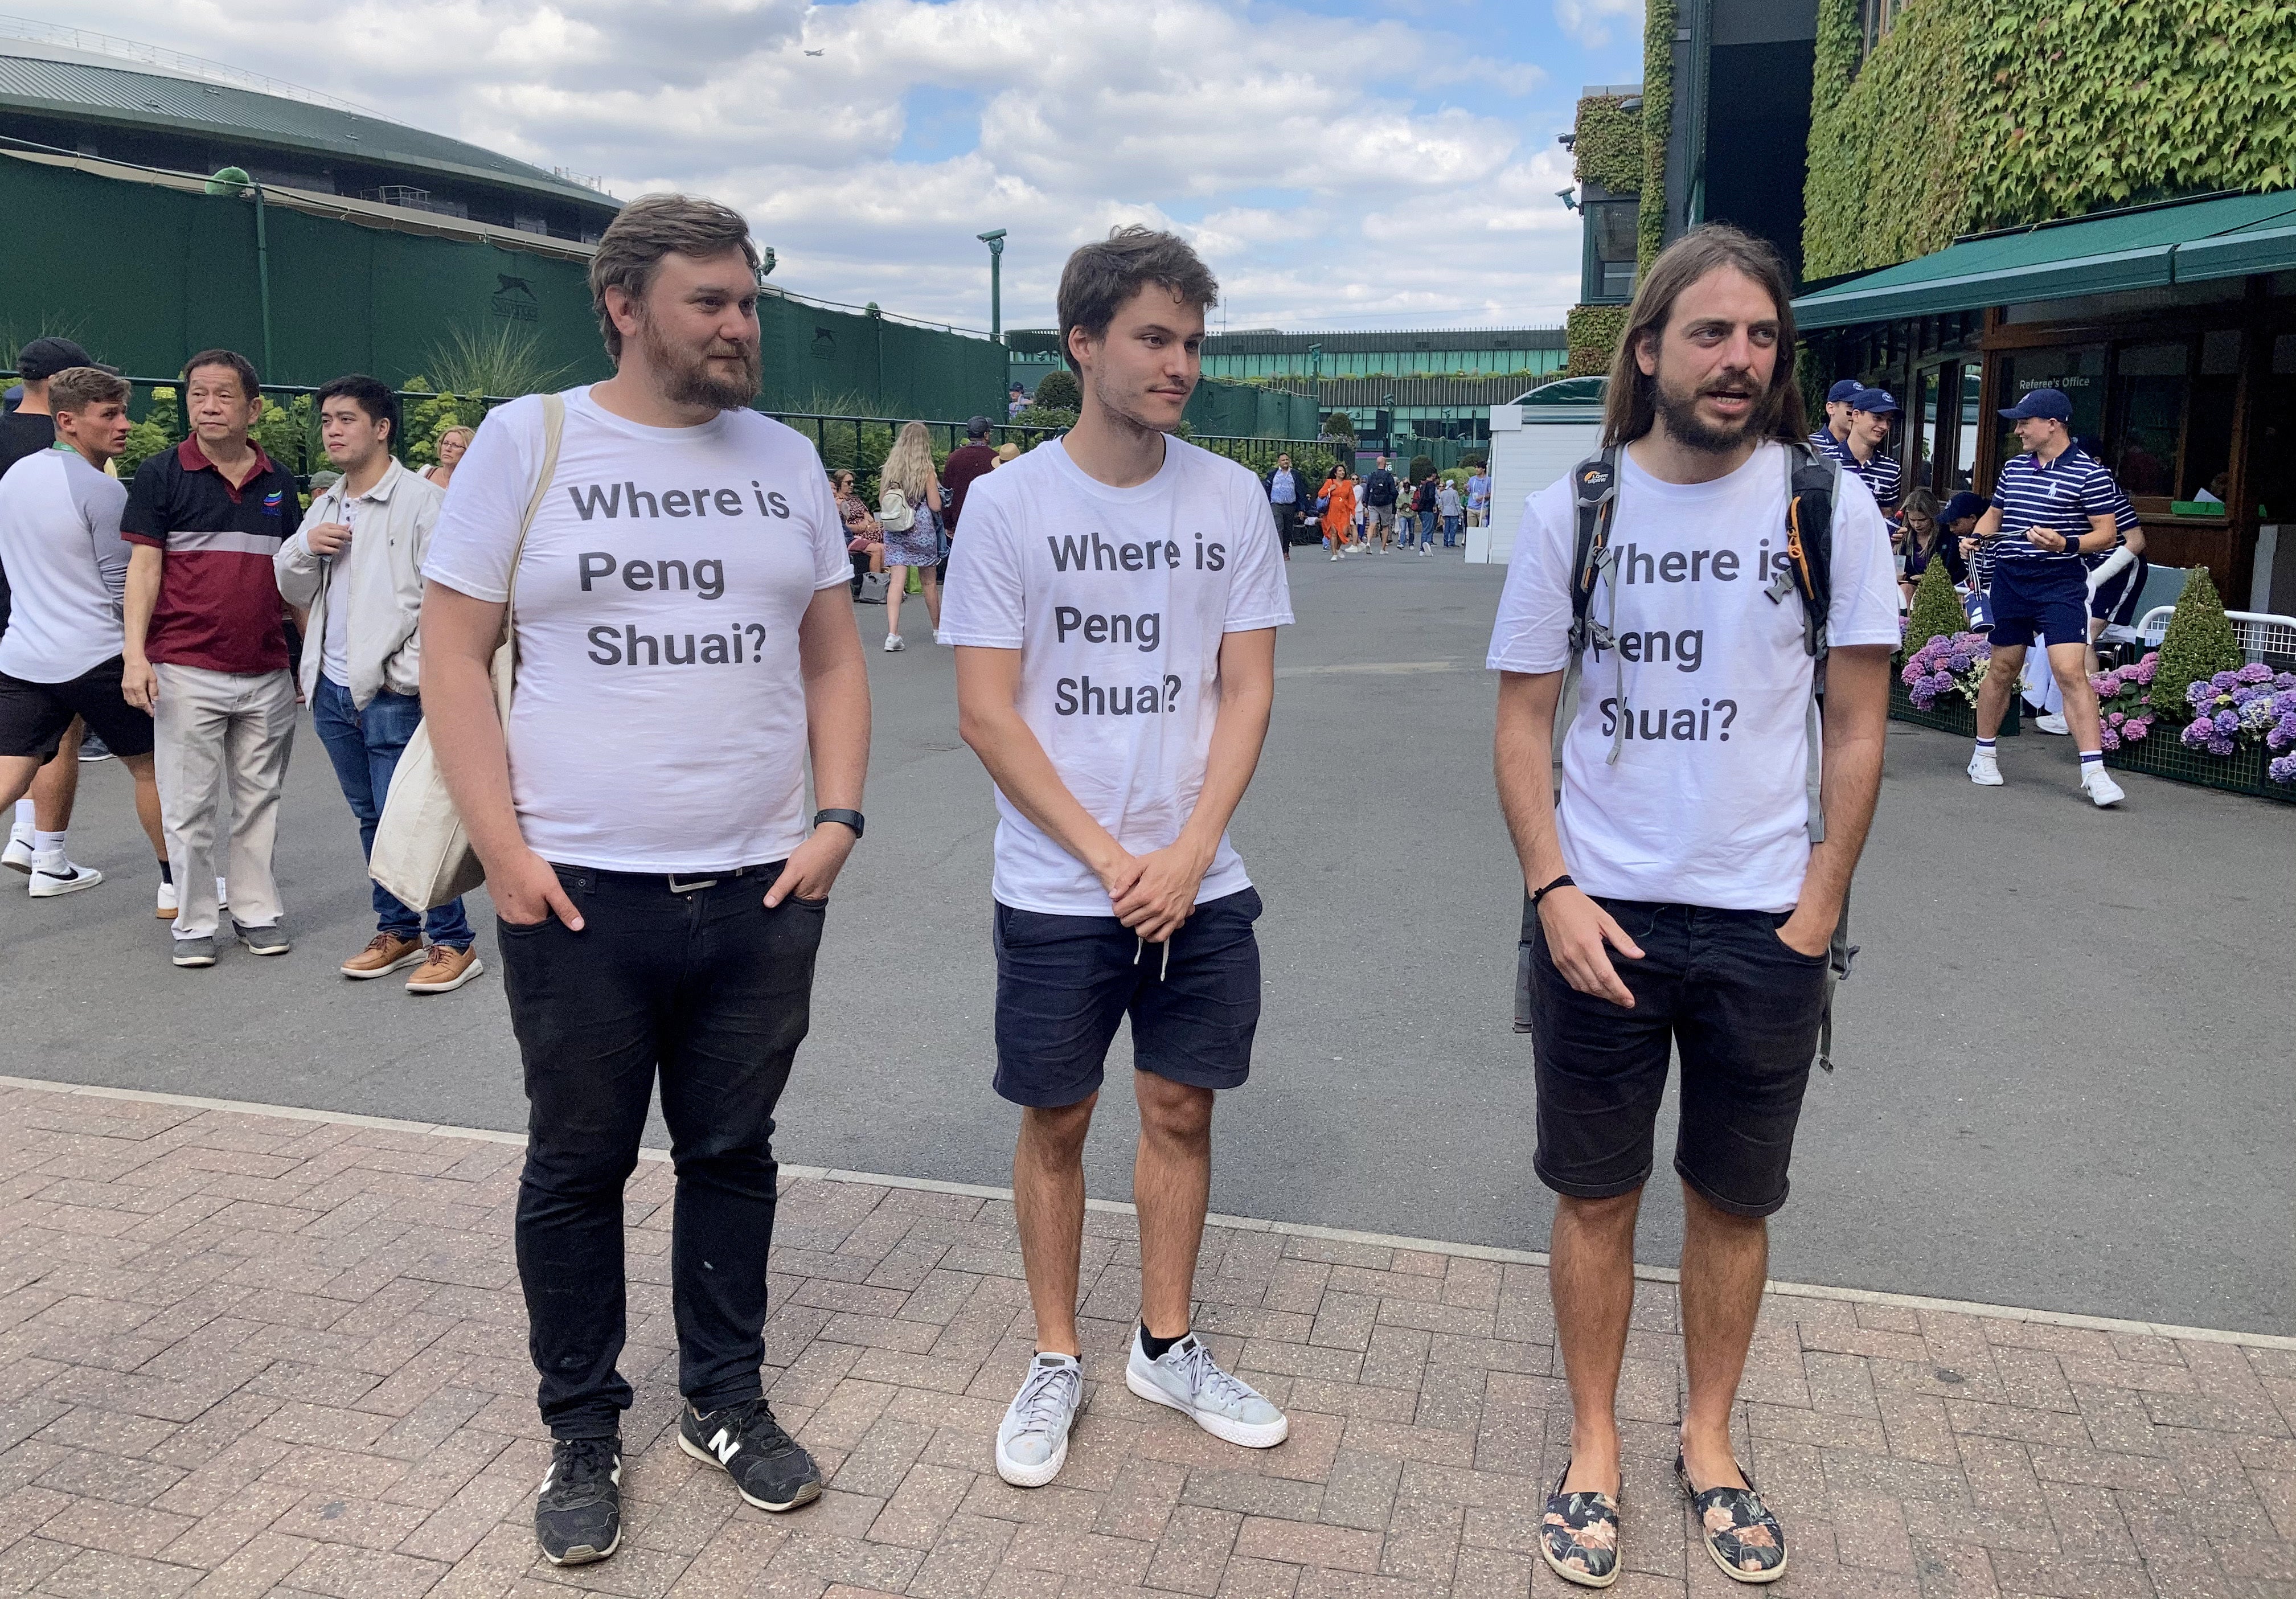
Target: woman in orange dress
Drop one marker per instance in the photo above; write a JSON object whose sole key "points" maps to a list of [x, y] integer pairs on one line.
{"points": [[1338, 493]]}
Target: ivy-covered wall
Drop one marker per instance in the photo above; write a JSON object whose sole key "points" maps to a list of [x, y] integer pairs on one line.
{"points": [[1975, 114], [1659, 22], [1592, 332], [1607, 145]]}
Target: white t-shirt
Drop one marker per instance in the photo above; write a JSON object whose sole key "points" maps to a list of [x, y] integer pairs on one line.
{"points": [[1116, 599], [335, 646], [67, 566], [659, 721], [1708, 802]]}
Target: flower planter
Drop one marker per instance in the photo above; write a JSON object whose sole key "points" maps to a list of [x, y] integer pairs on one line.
{"points": [[2165, 755], [1948, 715]]}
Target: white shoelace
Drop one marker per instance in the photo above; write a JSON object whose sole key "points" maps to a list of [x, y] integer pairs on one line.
{"points": [[1039, 1407], [1206, 1377]]}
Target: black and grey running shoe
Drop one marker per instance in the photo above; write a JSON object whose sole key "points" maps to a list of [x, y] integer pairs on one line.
{"points": [[770, 1468], [577, 1516]]}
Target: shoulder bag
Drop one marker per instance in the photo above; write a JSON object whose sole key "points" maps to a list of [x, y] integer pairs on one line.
{"points": [[422, 852]]}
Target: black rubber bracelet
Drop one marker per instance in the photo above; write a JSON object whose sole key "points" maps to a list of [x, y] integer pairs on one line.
{"points": [[1563, 881]]}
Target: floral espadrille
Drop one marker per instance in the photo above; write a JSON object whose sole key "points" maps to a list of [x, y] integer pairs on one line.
{"points": [[1740, 1531], [1579, 1536]]}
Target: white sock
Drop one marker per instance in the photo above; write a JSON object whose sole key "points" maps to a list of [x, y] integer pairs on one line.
{"points": [[48, 851], [23, 824]]}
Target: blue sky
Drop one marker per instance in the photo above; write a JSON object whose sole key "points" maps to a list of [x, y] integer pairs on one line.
{"points": [[1340, 163]]}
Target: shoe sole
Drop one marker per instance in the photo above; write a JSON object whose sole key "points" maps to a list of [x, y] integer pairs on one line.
{"points": [[275, 949], [805, 1495], [194, 960], [1997, 780], [166, 916], [1266, 1436], [1751, 1578], [469, 972], [1585, 1579], [584, 1554], [2106, 804], [1030, 1476], [24, 866], [65, 885], [413, 958]]}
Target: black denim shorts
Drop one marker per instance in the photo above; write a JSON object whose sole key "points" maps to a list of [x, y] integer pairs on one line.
{"points": [[1740, 1006], [1064, 983]]}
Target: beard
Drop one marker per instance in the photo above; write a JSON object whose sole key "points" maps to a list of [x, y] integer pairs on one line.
{"points": [[1121, 411], [1678, 409], [688, 380]]}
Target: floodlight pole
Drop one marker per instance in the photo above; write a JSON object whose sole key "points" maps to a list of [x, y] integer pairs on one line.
{"points": [[995, 240]]}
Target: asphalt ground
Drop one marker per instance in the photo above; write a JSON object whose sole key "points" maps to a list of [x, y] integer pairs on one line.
{"points": [[2065, 1056]]}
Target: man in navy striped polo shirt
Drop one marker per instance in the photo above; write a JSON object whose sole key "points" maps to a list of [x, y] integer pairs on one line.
{"points": [[2050, 506], [1856, 440]]}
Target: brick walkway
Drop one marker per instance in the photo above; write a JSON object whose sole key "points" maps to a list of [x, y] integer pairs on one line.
{"points": [[242, 1354]]}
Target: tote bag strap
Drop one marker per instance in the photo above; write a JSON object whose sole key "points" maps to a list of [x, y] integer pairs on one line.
{"points": [[553, 433]]}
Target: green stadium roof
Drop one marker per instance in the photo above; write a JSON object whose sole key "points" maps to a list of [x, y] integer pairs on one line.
{"points": [[2185, 241], [33, 83]]}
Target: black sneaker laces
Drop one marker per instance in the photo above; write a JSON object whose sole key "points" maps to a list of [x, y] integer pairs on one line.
{"points": [[583, 1471]]}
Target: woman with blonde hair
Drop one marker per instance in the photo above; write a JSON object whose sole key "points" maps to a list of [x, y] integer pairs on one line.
{"points": [[909, 509], [451, 444]]}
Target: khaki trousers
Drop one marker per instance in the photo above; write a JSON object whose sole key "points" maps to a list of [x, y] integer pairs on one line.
{"points": [[214, 730]]}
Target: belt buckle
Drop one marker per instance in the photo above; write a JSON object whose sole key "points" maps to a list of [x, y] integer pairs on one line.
{"points": [[678, 885]]}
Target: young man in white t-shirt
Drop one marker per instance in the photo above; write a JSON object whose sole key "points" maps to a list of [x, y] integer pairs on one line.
{"points": [[684, 640], [1114, 603], [60, 654], [1681, 904]]}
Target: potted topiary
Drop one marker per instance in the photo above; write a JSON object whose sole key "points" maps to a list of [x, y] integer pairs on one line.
{"points": [[2235, 720], [1942, 662], [2198, 644]]}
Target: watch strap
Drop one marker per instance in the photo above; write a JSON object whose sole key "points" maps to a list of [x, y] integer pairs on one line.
{"points": [[851, 818]]}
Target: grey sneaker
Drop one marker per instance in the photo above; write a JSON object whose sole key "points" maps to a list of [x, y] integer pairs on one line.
{"points": [[1032, 1441], [1190, 1382], [263, 940], [194, 951]]}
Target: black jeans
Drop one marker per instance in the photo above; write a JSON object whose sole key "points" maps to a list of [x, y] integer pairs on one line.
{"points": [[714, 990]]}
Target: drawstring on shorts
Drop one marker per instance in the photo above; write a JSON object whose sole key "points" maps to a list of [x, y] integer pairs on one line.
{"points": [[1163, 962]]}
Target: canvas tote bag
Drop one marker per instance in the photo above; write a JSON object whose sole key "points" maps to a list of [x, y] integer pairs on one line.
{"points": [[422, 852]]}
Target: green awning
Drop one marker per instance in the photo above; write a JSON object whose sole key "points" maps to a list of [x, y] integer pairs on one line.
{"points": [[2230, 236]]}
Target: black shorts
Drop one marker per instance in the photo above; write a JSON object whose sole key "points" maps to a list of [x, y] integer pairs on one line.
{"points": [[1064, 983], [1742, 1009], [33, 716], [2036, 602]]}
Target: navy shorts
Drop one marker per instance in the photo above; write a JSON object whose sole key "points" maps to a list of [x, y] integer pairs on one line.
{"points": [[2115, 600], [1733, 1000], [1064, 983], [2029, 606]]}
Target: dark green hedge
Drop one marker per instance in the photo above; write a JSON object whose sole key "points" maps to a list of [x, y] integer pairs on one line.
{"points": [[1608, 145]]}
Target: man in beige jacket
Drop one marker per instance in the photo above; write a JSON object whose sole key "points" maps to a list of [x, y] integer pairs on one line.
{"points": [[356, 570]]}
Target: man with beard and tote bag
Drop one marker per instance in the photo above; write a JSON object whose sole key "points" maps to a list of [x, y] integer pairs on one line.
{"points": [[684, 643]]}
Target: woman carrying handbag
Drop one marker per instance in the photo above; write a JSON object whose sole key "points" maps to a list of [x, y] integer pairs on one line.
{"points": [[909, 509]]}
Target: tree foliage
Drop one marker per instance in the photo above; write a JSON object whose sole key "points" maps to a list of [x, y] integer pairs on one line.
{"points": [[1058, 391], [1976, 114], [2198, 644]]}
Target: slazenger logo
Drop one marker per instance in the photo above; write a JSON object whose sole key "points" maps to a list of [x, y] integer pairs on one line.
{"points": [[725, 1447]]}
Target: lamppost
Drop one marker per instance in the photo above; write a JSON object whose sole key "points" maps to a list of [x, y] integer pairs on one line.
{"points": [[1387, 403], [995, 240], [1315, 378]]}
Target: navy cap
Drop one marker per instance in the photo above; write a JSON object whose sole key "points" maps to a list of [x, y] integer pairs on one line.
{"points": [[1875, 400], [1843, 391], [2049, 403], [1964, 504]]}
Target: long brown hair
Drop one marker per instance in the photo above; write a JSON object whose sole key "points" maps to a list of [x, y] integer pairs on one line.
{"points": [[1628, 410], [1926, 503]]}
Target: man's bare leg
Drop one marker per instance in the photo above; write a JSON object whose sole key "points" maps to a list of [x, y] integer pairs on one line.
{"points": [[1048, 1203], [1171, 1187], [1592, 1277], [1724, 1260], [57, 784], [147, 802], [2001, 678], [2070, 663]]}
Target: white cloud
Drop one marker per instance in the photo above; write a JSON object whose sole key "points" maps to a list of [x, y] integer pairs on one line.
{"points": [[1589, 20], [1321, 184]]}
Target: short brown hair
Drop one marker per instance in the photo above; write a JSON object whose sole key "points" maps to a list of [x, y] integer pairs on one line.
{"points": [[77, 388], [1628, 410], [1100, 277], [250, 387], [644, 230]]}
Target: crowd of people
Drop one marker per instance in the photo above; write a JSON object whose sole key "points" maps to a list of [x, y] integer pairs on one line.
{"points": [[2054, 556], [674, 574]]}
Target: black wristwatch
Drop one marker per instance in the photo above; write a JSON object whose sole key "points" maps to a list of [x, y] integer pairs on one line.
{"points": [[851, 818]]}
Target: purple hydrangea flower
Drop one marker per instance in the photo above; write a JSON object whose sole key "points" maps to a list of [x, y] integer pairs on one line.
{"points": [[2283, 770], [2135, 728], [2255, 671], [2148, 668], [2107, 739], [2198, 694]]}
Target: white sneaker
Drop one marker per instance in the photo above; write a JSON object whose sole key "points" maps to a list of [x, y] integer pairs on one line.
{"points": [[1427, 549], [1032, 1441], [168, 904], [1189, 1381], [49, 883], [17, 855], [893, 645], [1985, 770], [2054, 722], [2102, 789]]}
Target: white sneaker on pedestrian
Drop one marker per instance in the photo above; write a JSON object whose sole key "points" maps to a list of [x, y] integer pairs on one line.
{"points": [[2054, 722], [1032, 1441], [1188, 1380], [17, 855], [1985, 770], [1427, 549], [893, 645], [53, 878], [168, 903], [2101, 788]]}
